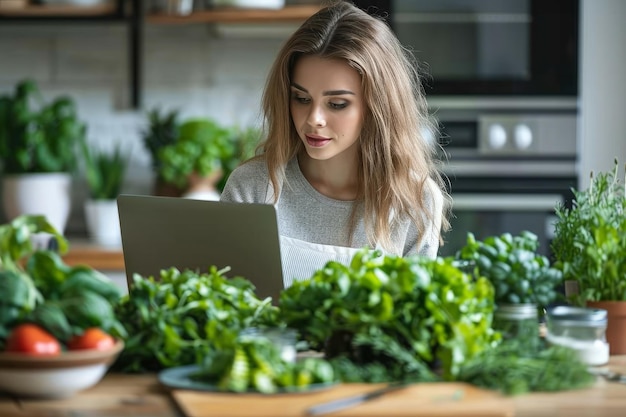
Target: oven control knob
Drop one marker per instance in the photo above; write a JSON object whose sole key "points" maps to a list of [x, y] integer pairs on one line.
{"points": [[497, 136], [523, 136]]}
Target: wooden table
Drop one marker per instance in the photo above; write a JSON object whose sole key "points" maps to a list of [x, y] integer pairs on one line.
{"points": [[142, 396]]}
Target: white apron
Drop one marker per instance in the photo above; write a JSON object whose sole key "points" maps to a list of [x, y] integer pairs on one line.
{"points": [[301, 259]]}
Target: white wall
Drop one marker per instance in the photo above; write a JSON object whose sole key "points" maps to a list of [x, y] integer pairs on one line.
{"points": [[185, 66], [602, 86]]}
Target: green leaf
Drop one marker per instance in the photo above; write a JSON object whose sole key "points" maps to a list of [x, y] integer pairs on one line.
{"points": [[88, 309], [15, 289], [85, 279], [51, 316]]}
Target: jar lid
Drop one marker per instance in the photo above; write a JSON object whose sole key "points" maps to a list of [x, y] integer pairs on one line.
{"points": [[578, 315], [516, 311]]}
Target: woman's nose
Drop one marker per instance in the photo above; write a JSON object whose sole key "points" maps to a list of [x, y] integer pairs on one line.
{"points": [[316, 117]]}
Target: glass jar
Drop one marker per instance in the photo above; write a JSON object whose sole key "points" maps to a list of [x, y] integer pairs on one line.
{"points": [[581, 329], [517, 321], [283, 338]]}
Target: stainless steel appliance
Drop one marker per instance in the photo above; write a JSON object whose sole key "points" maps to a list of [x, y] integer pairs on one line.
{"points": [[489, 47], [501, 81], [509, 163]]}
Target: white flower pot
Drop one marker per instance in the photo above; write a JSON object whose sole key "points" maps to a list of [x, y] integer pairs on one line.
{"points": [[103, 223], [46, 194]]}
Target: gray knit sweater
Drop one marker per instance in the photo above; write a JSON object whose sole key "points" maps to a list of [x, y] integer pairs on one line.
{"points": [[305, 214]]}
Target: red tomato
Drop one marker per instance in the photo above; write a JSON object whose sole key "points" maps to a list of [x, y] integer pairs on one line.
{"points": [[33, 340], [92, 338]]}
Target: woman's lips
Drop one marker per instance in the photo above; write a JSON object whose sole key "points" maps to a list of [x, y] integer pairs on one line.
{"points": [[316, 141]]}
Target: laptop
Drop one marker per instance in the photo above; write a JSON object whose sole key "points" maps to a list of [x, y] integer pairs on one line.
{"points": [[163, 232]]}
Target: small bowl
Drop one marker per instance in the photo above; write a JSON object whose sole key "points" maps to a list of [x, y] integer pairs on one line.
{"points": [[55, 376]]}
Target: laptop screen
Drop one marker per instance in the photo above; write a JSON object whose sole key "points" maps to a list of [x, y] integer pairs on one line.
{"points": [[163, 232]]}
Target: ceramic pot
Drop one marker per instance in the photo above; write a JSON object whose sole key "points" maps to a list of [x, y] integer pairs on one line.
{"points": [[103, 223], [616, 327], [47, 194], [203, 188]]}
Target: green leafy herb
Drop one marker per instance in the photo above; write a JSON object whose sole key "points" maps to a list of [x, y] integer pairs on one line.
{"points": [[518, 273], [201, 147], [19, 293], [36, 136], [38, 287], [590, 239], [255, 364], [436, 314], [182, 316], [515, 369]]}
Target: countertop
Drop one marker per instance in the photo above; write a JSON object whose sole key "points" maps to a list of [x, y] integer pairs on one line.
{"points": [[142, 395]]}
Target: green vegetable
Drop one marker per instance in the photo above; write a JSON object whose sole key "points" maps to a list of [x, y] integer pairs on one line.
{"points": [[517, 272], [514, 369], [74, 298], [255, 364], [410, 315], [38, 287], [589, 244], [183, 316]]}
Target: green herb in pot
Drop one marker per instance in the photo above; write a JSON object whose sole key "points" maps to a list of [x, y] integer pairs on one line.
{"points": [[511, 263], [590, 239]]}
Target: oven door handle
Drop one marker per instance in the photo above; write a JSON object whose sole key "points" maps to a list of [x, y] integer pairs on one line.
{"points": [[510, 202]]}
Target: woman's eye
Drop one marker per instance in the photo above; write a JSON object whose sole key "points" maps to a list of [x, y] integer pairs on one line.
{"points": [[338, 106], [300, 99]]}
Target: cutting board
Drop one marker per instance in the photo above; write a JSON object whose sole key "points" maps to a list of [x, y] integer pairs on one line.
{"points": [[428, 399]]}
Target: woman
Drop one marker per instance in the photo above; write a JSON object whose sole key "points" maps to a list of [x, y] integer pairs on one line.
{"points": [[345, 161]]}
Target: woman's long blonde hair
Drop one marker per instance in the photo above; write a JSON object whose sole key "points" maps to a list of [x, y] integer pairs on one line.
{"points": [[396, 157]]}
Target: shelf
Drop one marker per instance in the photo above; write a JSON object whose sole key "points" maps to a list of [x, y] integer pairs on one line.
{"points": [[60, 11], [113, 11], [97, 257], [237, 15]]}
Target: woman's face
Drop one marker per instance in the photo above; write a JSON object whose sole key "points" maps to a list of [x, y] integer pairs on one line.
{"points": [[327, 106]]}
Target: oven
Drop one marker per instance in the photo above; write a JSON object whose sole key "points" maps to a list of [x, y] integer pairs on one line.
{"points": [[501, 81], [507, 166], [489, 47]]}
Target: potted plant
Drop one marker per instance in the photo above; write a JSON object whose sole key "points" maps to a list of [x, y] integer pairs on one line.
{"points": [[246, 141], [38, 147], [104, 174], [589, 246], [523, 280], [162, 130], [195, 162]]}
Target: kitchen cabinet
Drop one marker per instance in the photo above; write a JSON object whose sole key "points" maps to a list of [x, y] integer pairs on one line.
{"points": [[131, 13]]}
